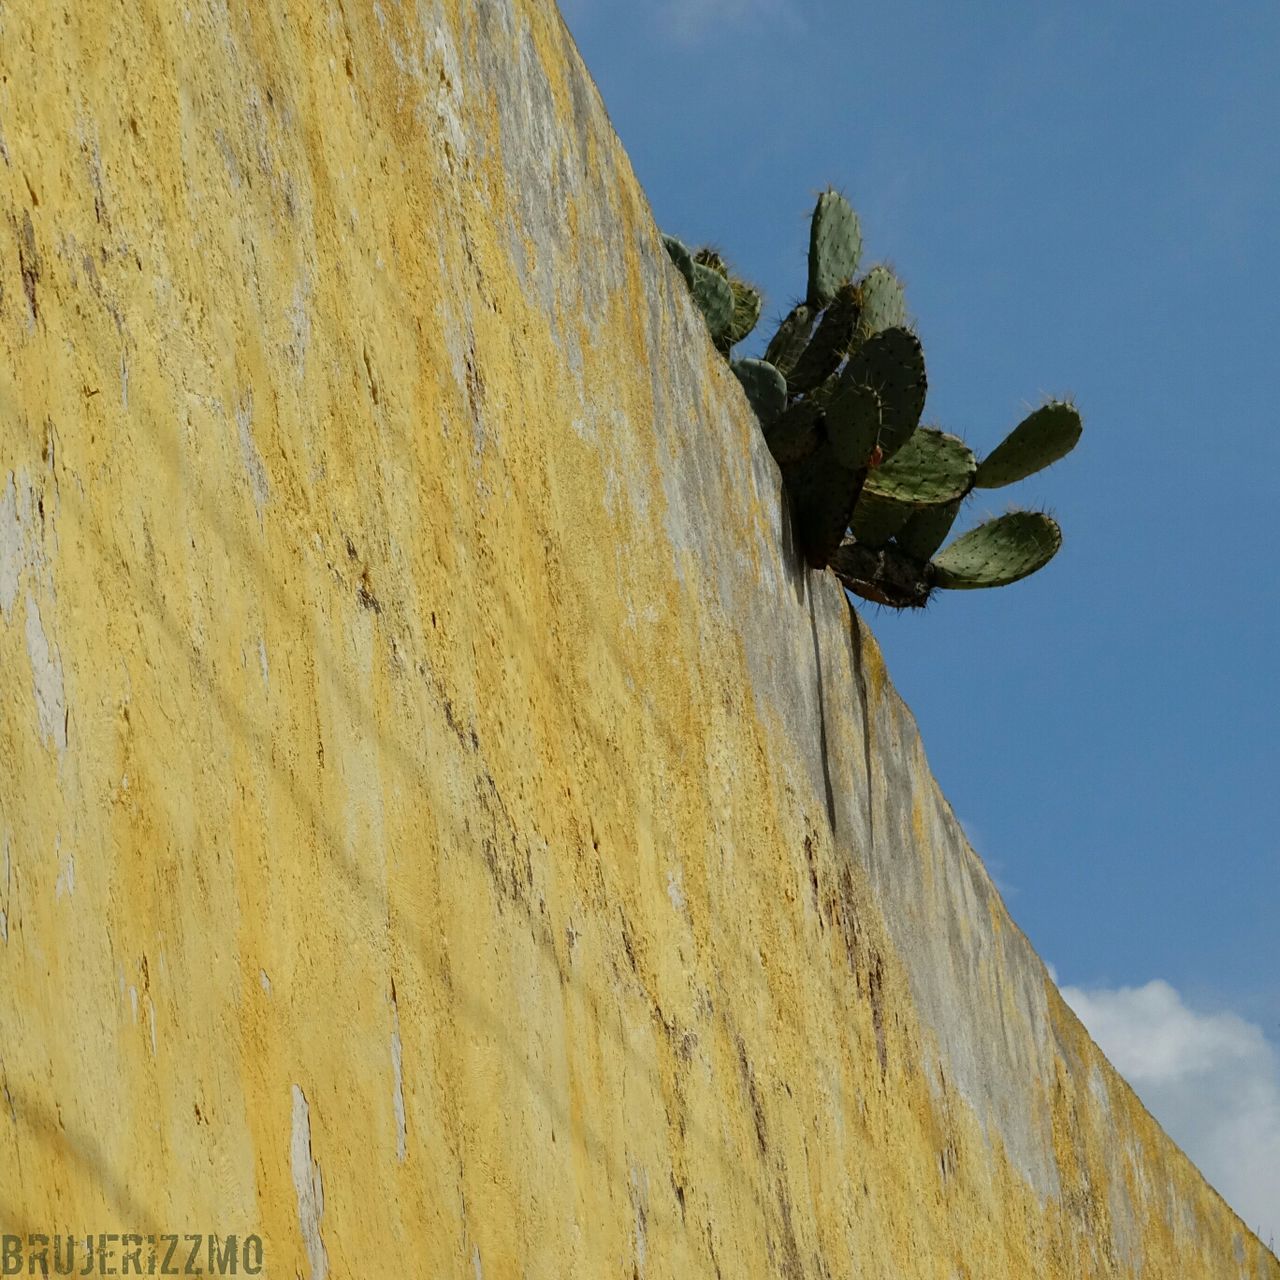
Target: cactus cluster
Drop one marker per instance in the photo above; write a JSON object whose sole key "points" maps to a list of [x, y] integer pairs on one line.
{"points": [[907, 507], [839, 395], [731, 307]]}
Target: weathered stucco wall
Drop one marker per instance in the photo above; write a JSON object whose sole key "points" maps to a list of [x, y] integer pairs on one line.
{"points": [[444, 828]]}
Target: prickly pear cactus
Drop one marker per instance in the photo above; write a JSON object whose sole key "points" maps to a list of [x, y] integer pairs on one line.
{"points": [[884, 575], [714, 297], [877, 519], [995, 554], [731, 307], [747, 304], [930, 469], [710, 257], [842, 384], [907, 508], [926, 529], [766, 388], [796, 432], [854, 415], [892, 364], [839, 396], [999, 552], [829, 344], [679, 254], [1039, 440], [789, 343], [882, 303], [823, 492], [835, 245]]}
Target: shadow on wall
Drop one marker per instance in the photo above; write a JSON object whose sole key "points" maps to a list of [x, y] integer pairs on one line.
{"points": [[76, 1149]]}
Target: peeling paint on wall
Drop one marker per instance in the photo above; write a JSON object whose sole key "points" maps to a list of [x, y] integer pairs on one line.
{"points": [[11, 550], [308, 1183], [66, 882], [46, 671]]}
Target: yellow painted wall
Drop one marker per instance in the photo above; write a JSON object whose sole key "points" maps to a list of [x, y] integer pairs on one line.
{"points": [[443, 827]]}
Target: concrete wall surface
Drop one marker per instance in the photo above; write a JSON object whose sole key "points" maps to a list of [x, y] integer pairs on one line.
{"points": [[444, 830]]}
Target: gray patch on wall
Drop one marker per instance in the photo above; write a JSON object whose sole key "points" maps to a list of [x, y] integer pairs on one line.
{"points": [[252, 458], [11, 554], [309, 1185], [46, 668]]}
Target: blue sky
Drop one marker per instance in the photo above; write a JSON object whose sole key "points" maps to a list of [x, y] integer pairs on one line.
{"points": [[1083, 199]]}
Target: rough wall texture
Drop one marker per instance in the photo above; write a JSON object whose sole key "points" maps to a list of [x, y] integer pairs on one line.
{"points": [[444, 829]]}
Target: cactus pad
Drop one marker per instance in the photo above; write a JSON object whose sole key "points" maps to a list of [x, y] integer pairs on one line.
{"points": [[1037, 441], [746, 309], [999, 552], [795, 433], [931, 468], [678, 252], [822, 494], [766, 388], [839, 395], [826, 349], [835, 245], [715, 299], [882, 304], [927, 530], [885, 576], [892, 365], [877, 519], [853, 424], [788, 344]]}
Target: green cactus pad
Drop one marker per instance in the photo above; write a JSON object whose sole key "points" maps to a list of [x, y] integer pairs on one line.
{"points": [[882, 304], [892, 364], [827, 347], [885, 575], [788, 344], [853, 423], [712, 294], [1037, 441], [795, 433], [931, 468], [680, 255], [822, 494], [835, 245], [747, 302], [927, 530], [766, 388], [877, 519], [999, 552]]}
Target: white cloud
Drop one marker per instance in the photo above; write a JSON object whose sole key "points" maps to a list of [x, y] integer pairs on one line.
{"points": [[1212, 1080]]}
